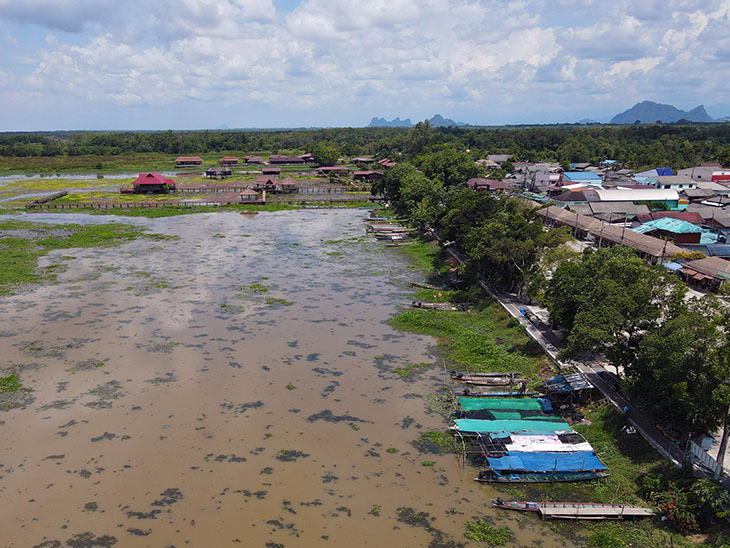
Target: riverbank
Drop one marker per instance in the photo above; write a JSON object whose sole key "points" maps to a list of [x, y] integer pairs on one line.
{"points": [[469, 340]]}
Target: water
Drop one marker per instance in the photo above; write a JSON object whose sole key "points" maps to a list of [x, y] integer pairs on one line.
{"points": [[219, 417]]}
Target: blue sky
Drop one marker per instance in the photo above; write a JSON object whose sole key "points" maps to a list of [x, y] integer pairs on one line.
{"points": [[189, 64]]}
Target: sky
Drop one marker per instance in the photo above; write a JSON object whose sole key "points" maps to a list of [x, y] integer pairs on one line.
{"points": [[194, 64]]}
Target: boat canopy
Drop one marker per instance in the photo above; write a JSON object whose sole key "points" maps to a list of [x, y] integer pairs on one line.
{"points": [[517, 426], [548, 462], [472, 404]]}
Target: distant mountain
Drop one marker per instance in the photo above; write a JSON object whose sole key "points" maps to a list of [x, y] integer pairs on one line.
{"points": [[587, 121], [648, 112], [395, 122], [439, 121], [436, 121]]}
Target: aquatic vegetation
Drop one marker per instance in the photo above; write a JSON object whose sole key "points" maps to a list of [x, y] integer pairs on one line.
{"points": [[410, 369], [481, 531], [10, 383], [391, 450], [290, 386], [472, 338], [23, 243], [275, 300]]}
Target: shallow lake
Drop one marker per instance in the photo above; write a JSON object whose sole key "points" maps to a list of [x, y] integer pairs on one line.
{"points": [[232, 387]]}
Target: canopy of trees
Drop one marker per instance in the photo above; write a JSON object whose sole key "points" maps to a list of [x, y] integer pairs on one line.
{"points": [[634, 147]]}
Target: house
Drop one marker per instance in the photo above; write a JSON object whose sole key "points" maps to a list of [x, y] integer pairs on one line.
{"points": [[652, 249], [706, 172], [218, 172], [363, 160], [612, 212], [251, 160], [278, 159], [498, 158], [545, 179], [708, 273], [250, 196], [478, 183], [673, 182], [308, 158], [188, 161], [229, 161], [288, 186], [584, 177], [266, 183], [386, 162], [333, 171], [271, 170], [152, 183], [368, 176], [676, 230], [487, 164], [656, 172]]}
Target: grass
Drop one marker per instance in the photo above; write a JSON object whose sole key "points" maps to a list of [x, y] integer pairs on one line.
{"points": [[483, 339], [25, 242], [426, 255]]}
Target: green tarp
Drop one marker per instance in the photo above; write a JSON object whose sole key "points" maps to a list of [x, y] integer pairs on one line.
{"points": [[472, 425], [472, 404]]}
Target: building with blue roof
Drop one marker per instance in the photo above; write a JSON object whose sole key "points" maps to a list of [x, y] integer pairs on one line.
{"points": [[583, 177], [676, 230]]}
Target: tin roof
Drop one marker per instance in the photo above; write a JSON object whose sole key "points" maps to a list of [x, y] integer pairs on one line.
{"points": [[152, 178]]}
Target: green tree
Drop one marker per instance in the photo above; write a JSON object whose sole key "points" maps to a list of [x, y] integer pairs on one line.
{"points": [[608, 299], [448, 166], [681, 367], [326, 155]]}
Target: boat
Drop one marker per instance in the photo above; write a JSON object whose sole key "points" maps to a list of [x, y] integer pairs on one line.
{"points": [[576, 510], [459, 375], [497, 476], [488, 379]]}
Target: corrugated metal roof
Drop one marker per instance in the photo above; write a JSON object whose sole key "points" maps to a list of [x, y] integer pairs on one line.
{"points": [[676, 226], [580, 176], [636, 195]]}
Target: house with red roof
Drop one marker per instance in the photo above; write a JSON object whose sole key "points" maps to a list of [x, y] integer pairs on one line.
{"points": [[152, 183], [188, 161]]}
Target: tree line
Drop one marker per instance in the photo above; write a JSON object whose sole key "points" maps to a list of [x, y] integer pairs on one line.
{"points": [[634, 147]]}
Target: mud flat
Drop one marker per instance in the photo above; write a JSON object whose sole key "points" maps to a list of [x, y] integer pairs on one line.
{"points": [[231, 387]]}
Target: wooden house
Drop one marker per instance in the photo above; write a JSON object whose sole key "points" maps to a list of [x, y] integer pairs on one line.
{"points": [[188, 161], [278, 159], [265, 182], [254, 160], [229, 161], [218, 172], [288, 186], [271, 170], [152, 183], [369, 176], [250, 196]]}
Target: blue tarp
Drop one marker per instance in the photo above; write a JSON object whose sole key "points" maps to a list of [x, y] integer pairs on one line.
{"points": [[664, 171], [520, 426], [547, 462]]}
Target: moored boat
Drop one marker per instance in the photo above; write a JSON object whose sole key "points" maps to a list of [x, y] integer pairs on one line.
{"points": [[576, 510]]}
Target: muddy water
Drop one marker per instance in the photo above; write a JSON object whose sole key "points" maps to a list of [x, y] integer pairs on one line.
{"points": [[177, 402]]}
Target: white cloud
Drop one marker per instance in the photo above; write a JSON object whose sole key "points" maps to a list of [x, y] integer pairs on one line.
{"points": [[330, 56]]}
